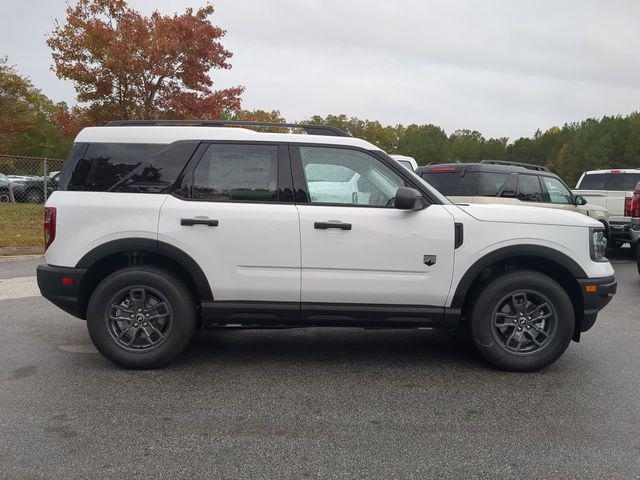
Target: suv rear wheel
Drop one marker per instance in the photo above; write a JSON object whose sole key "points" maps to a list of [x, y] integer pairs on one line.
{"points": [[141, 317], [522, 321]]}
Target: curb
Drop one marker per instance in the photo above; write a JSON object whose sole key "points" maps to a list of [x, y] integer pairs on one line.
{"points": [[11, 251]]}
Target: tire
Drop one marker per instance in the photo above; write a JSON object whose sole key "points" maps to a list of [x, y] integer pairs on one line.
{"points": [[131, 295], [499, 303], [34, 196]]}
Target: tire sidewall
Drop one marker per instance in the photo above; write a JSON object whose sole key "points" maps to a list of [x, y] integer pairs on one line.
{"points": [[486, 303], [180, 301]]}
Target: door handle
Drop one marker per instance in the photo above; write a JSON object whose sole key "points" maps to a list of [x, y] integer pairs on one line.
{"points": [[189, 222], [326, 225]]}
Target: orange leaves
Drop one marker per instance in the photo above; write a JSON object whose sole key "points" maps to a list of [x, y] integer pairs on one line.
{"points": [[126, 65]]}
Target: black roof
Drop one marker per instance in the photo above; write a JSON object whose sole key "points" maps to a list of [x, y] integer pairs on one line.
{"points": [[494, 166]]}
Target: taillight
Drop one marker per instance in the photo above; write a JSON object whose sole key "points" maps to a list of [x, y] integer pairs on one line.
{"points": [[635, 202], [442, 170], [49, 226], [627, 206]]}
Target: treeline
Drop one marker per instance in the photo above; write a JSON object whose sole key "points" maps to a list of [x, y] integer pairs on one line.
{"points": [[609, 142], [32, 124]]}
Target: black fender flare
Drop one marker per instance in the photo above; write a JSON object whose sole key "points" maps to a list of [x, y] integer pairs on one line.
{"points": [[513, 251], [124, 245]]}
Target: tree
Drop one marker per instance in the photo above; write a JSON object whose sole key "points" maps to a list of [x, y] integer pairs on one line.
{"points": [[425, 143], [385, 137], [128, 66], [26, 117]]}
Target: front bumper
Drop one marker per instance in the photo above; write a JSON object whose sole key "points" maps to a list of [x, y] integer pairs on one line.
{"points": [[62, 287], [596, 294]]}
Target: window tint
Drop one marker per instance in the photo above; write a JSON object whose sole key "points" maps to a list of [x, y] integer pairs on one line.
{"points": [[622, 181], [452, 183], [557, 191], [490, 184], [237, 173], [349, 177], [529, 188], [592, 181], [126, 167]]}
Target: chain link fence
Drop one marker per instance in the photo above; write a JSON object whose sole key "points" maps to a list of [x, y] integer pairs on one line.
{"points": [[28, 179]]}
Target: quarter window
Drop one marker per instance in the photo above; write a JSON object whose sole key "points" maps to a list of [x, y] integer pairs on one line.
{"points": [[529, 188], [121, 167], [237, 173], [348, 177]]}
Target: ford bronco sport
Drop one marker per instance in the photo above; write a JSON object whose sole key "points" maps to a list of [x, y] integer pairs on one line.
{"points": [[162, 227]]}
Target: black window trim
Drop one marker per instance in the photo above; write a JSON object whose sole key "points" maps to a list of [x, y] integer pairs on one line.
{"points": [[184, 184], [300, 182]]}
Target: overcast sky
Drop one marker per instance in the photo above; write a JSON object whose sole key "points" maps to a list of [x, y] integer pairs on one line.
{"points": [[505, 68]]}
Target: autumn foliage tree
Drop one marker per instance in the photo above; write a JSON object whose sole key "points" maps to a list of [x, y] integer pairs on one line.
{"points": [[128, 66]]}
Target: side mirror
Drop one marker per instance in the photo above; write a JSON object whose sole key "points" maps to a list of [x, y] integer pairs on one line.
{"points": [[580, 200], [409, 199]]}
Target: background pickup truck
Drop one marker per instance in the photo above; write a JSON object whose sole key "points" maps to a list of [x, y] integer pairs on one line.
{"points": [[612, 189]]}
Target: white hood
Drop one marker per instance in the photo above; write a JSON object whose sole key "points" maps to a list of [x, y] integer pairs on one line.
{"points": [[530, 215]]}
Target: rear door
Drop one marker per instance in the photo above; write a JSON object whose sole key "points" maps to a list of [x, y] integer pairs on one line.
{"points": [[357, 249], [236, 218]]}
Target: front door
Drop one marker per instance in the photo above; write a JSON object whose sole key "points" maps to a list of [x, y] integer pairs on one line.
{"points": [[356, 247]]}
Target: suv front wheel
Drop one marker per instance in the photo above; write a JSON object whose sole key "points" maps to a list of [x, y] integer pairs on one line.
{"points": [[141, 317], [522, 321]]}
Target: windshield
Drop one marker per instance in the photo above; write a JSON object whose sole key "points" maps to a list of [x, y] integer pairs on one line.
{"points": [[3, 178]]}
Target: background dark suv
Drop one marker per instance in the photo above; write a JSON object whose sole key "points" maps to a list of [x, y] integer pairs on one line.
{"points": [[494, 181]]}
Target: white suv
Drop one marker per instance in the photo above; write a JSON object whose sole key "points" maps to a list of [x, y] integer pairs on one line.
{"points": [[162, 227]]}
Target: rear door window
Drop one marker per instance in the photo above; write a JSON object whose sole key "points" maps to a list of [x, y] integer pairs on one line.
{"points": [[237, 173], [529, 189]]}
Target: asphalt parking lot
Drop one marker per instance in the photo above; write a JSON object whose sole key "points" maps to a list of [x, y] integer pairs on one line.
{"points": [[317, 403]]}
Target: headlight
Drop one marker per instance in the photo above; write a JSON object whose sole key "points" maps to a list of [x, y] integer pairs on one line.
{"points": [[598, 245]]}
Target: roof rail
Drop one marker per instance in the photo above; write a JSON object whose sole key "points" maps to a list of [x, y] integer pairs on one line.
{"points": [[530, 166], [308, 128]]}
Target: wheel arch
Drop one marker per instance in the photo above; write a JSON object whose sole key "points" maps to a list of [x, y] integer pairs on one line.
{"points": [[114, 255], [548, 261]]}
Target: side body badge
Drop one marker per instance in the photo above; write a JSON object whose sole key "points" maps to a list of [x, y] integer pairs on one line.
{"points": [[429, 260]]}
